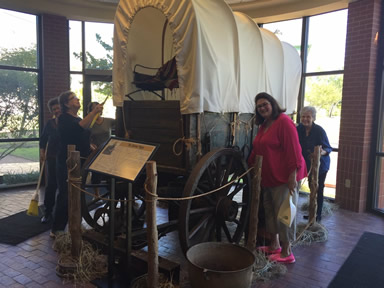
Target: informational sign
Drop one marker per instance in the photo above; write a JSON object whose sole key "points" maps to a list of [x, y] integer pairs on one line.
{"points": [[122, 158]]}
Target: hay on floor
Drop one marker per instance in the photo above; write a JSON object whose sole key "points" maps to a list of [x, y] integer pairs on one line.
{"points": [[89, 266], [328, 207], [266, 270], [308, 234], [141, 282]]}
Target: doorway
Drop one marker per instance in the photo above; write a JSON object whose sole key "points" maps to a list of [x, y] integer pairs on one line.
{"points": [[99, 88]]}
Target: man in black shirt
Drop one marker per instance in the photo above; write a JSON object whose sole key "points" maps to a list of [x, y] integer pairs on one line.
{"points": [[48, 150]]}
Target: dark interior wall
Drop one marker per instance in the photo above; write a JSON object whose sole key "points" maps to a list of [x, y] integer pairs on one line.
{"points": [[55, 58], [358, 104]]}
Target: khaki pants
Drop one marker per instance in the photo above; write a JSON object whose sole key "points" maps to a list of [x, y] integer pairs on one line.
{"points": [[273, 198]]}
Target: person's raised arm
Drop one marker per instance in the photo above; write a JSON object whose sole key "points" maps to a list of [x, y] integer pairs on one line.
{"points": [[90, 116]]}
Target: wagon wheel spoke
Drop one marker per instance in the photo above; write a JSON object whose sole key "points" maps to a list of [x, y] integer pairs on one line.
{"points": [[198, 226], [218, 174], [227, 233], [233, 177], [210, 179], [208, 230], [208, 197], [201, 210], [224, 212], [236, 191], [228, 170], [218, 232]]}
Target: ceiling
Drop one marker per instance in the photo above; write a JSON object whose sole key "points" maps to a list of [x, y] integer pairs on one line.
{"points": [[263, 11]]}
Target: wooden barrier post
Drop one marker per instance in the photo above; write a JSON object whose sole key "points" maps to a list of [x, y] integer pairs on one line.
{"points": [[74, 204], [70, 148], [315, 164], [255, 202], [152, 235]]}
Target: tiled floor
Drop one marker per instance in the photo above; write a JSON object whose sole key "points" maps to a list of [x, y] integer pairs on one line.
{"points": [[33, 262]]}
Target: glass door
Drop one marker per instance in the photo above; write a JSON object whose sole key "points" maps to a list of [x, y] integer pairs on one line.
{"points": [[98, 88]]}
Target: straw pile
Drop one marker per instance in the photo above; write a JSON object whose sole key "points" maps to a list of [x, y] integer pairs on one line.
{"points": [[266, 270], [90, 265], [141, 282], [328, 208]]}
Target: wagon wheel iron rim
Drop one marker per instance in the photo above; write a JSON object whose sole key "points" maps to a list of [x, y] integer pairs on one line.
{"points": [[221, 216]]}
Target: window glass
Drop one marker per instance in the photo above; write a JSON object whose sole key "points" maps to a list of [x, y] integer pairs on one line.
{"points": [[99, 45], [75, 44], [19, 40], [287, 31], [19, 107], [19, 162], [325, 93], [326, 41], [103, 91], [77, 87]]}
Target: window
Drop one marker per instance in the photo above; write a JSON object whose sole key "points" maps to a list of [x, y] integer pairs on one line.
{"points": [[326, 41], [322, 80], [19, 30], [19, 105], [98, 45], [75, 46], [91, 80], [287, 31], [377, 172]]}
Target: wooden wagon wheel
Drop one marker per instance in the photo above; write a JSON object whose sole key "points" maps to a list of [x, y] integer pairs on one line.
{"points": [[223, 215]]}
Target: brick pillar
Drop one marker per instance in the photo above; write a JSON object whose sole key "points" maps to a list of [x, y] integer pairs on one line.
{"points": [[357, 104], [55, 59]]}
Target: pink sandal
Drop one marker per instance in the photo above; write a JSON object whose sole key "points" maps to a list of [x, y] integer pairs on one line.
{"points": [[277, 258], [266, 250]]}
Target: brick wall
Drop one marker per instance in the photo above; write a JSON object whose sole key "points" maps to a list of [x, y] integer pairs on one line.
{"points": [[357, 105], [55, 59]]}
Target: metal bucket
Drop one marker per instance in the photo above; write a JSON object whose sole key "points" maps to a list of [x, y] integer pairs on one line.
{"points": [[221, 265]]}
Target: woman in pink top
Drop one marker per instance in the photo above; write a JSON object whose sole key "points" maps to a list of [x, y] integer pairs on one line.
{"points": [[283, 166]]}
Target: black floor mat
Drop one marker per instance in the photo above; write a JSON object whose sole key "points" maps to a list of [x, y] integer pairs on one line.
{"points": [[364, 267], [20, 227]]}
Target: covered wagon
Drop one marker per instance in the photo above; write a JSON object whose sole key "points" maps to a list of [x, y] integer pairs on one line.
{"points": [[185, 75]]}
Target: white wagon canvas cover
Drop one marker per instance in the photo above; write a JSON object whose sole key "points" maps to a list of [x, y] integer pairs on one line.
{"points": [[223, 58], [203, 38]]}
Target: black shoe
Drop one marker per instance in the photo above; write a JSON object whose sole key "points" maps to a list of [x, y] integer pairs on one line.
{"points": [[46, 218]]}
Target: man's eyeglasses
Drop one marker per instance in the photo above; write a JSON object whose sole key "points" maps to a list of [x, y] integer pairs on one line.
{"points": [[262, 105]]}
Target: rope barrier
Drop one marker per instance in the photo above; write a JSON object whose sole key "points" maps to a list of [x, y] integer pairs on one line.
{"points": [[293, 243], [77, 181]]}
